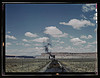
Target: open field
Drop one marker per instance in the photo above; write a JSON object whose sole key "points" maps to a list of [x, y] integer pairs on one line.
{"points": [[35, 65], [79, 65], [25, 65]]}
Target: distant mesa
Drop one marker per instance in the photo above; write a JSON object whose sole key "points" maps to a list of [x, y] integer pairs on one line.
{"points": [[13, 56], [62, 55]]}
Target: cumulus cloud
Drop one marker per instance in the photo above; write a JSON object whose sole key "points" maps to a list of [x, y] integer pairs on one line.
{"points": [[61, 35], [86, 37], [54, 32], [71, 36], [25, 40], [11, 51], [57, 49], [84, 17], [71, 49], [37, 44], [94, 42], [95, 16], [8, 43], [40, 39], [29, 34], [23, 44], [77, 24], [88, 7], [26, 51], [11, 37], [55, 41], [19, 43], [77, 41], [88, 46], [95, 30], [61, 42], [26, 45]]}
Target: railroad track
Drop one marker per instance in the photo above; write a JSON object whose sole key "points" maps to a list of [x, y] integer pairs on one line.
{"points": [[55, 66]]}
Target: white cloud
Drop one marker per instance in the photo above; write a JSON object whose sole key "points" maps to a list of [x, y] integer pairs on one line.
{"points": [[95, 16], [19, 43], [61, 42], [89, 46], [23, 44], [95, 42], [37, 44], [55, 40], [60, 35], [38, 50], [77, 24], [11, 51], [71, 36], [29, 34], [25, 40], [8, 43], [84, 17], [86, 37], [95, 30], [26, 51], [10, 37], [26, 45], [40, 39], [57, 49], [88, 7], [77, 41], [54, 32], [73, 49], [90, 36]]}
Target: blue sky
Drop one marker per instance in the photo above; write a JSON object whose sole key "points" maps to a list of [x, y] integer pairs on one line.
{"points": [[71, 27]]}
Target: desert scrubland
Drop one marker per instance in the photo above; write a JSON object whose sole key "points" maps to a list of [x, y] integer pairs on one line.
{"points": [[35, 65], [25, 65], [79, 65]]}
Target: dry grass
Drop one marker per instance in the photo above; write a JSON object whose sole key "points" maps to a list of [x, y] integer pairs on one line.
{"points": [[79, 65], [25, 65]]}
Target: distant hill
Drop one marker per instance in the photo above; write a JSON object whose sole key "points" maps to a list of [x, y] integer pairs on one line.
{"points": [[19, 56], [69, 55]]}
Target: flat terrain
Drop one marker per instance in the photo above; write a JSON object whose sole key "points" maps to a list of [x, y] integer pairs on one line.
{"points": [[79, 65], [25, 65], [35, 65]]}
